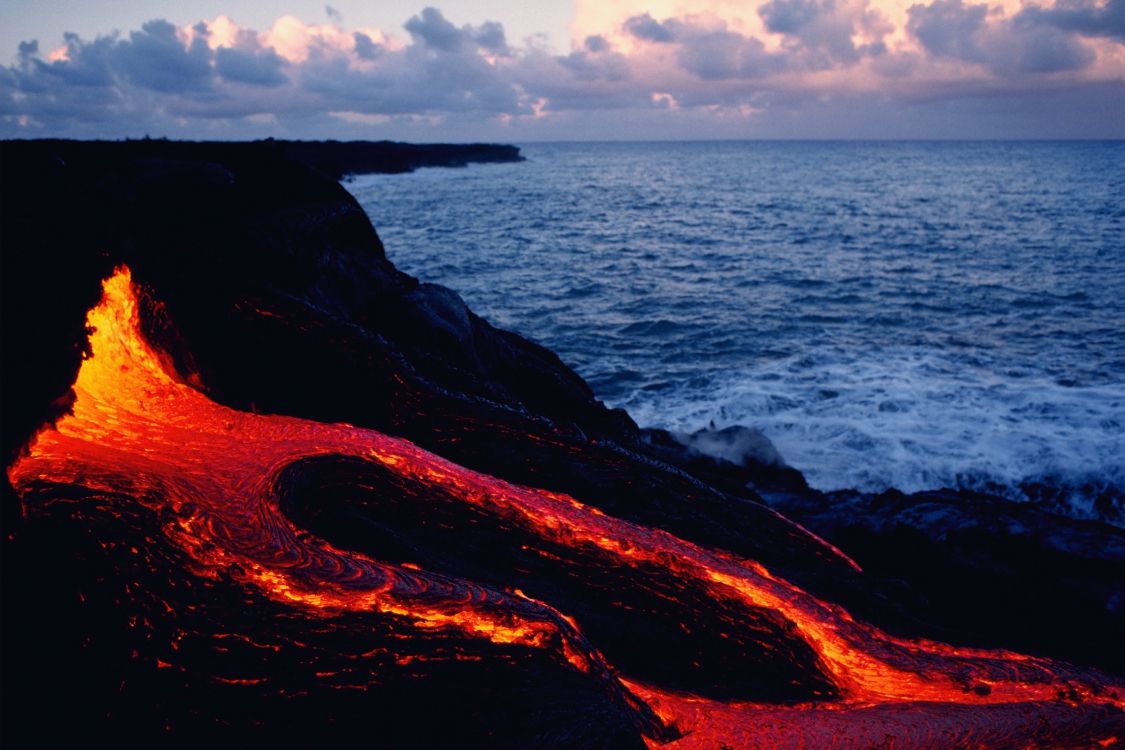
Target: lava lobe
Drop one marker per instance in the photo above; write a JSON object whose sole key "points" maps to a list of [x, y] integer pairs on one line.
{"points": [[314, 574]]}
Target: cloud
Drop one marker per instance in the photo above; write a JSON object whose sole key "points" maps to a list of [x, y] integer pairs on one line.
{"points": [[365, 46], [431, 29], [446, 69], [816, 35], [490, 36], [720, 55], [825, 30], [256, 67], [648, 28], [1083, 17], [157, 58], [789, 16], [738, 69], [434, 31], [239, 55], [596, 43], [949, 28], [1009, 47], [595, 61], [82, 65]]}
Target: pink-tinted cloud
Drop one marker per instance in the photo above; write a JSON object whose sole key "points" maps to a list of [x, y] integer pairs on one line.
{"points": [[653, 68]]}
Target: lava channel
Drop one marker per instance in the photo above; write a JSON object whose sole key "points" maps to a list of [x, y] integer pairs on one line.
{"points": [[140, 433]]}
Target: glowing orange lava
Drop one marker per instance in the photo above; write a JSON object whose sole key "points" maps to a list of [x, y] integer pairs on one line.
{"points": [[136, 429]]}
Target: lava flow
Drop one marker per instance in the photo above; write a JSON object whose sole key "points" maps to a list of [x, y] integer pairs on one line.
{"points": [[218, 480]]}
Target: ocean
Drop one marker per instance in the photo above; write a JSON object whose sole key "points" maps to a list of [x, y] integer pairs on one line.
{"points": [[890, 315]]}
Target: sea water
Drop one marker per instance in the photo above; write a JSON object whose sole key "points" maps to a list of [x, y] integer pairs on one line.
{"points": [[891, 315]]}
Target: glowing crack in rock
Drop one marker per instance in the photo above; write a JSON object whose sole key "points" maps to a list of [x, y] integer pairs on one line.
{"points": [[137, 430]]}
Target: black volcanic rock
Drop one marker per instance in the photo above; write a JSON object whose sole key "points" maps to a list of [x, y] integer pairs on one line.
{"points": [[93, 657], [359, 506], [278, 297], [734, 458], [275, 295], [338, 159], [265, 282], [984, 570]]}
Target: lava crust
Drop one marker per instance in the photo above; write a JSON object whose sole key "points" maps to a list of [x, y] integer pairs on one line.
{"points": [[198, 490], [263, 487]]}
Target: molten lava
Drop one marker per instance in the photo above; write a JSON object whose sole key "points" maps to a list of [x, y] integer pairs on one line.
{"points": [[138, 431]]}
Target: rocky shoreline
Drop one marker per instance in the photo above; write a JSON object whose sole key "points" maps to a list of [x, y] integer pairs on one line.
{"points": [[265, 283]]}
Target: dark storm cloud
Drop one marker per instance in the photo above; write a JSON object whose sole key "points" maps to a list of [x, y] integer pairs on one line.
{"points": [[1017, 46]]}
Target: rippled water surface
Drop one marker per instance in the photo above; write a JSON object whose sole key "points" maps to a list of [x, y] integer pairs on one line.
{"points": [[891, 315]]}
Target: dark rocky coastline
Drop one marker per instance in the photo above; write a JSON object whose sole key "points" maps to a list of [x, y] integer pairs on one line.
{"points": [[334, 159], [270, 290]]}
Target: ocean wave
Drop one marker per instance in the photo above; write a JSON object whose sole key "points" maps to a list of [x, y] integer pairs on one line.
{"points": [[883, 328], [916, 421]]}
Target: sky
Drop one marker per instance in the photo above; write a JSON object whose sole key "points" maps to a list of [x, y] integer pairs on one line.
{"points": [[504, 70]]}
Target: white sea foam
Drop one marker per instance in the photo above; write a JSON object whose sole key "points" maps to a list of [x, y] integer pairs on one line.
{"points": [[914, 316], [917, 421]]}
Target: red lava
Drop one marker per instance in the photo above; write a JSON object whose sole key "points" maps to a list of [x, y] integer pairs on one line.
{"points": [[137, 429]]}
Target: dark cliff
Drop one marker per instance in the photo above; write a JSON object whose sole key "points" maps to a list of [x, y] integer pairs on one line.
{"points": [[276, 296], [265, 282]]}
